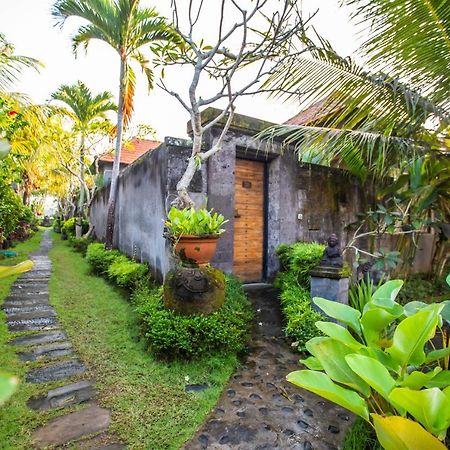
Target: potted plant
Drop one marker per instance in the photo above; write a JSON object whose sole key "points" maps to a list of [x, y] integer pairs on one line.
{"points": [[194, 233]]}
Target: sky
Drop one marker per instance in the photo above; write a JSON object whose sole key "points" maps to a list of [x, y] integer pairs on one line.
{"points": [[30, 27]]}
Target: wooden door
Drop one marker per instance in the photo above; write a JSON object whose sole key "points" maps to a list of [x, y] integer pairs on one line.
{"points": [[249, 220]]}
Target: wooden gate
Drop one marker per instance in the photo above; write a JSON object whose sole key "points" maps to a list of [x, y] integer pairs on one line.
{"points": [[249, 220]]}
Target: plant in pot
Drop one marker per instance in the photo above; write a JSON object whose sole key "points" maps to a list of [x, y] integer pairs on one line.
{"points": [[194, 233]]}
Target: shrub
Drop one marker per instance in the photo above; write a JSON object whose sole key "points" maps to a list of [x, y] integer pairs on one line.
{"points": [[57, 224], [172, 336], [423, 288], [127, 273], [99, 258], [80, 244], [68, 227], [300, 258], [300, 317]]}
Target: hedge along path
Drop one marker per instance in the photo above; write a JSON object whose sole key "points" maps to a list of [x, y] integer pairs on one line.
{"points": [[259, 409], [45, 347]]}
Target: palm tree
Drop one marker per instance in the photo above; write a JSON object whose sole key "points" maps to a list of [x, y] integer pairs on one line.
{"points": [[11, 64], [127, 28], [376, 118], [87, 112]]}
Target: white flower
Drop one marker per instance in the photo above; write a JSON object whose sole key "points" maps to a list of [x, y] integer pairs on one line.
{"points": [[260, 324], [186, 378]]}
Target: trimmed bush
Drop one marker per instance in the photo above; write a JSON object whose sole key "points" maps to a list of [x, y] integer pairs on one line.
{"points": [[68, 228], [127, 273], [80, 244], [299, 259], [172, 336], [99, 258], [300, 317]]}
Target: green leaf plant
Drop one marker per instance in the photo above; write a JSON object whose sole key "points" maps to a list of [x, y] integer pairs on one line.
{"points": [[381, 363]]}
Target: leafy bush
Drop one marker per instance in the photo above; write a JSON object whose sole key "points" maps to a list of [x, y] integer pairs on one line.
{"points": [[190, 221], [57, 224], [172, 336], [300, 258], [423, 288], [300, 317], [127, 273], [80, 244], [68, 227], [99, 258], [384, 367]]}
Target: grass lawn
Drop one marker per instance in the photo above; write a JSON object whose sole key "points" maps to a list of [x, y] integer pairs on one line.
{"points": [[150, 408]]}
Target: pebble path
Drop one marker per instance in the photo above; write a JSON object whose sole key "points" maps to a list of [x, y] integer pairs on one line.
{"points": [[45, 347]]}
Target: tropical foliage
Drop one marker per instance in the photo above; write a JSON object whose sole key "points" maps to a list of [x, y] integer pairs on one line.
{"points": [[381, 365]]}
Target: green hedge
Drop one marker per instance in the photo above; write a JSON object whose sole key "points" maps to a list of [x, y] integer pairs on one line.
{"points": [[68, 228], [296, 261], [171, 336], [80, 244]]}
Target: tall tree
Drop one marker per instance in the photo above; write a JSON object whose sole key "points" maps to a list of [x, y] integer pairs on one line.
{"points": [[127, 27], [88, 113]]}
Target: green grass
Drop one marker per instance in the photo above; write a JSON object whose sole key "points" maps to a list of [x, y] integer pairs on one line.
{"points": [[150, 408], [361, 436]]}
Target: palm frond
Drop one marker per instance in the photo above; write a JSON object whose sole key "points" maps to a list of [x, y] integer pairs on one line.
{"points": [[128, 98]]}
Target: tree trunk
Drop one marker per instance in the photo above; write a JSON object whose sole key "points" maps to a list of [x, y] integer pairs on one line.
{"points": [[116, 166], [79, 224]]}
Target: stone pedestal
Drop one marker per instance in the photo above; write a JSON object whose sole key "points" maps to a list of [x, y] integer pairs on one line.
{"points": [[328, 283]]}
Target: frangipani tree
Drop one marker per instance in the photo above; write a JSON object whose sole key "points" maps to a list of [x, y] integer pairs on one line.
{"points": [[129, 28]]}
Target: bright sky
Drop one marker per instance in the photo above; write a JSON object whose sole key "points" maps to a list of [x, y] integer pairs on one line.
{"points": [[30, 27]]}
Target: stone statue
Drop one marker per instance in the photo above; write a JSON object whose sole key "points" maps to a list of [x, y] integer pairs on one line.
{"points": [[332, 254]]}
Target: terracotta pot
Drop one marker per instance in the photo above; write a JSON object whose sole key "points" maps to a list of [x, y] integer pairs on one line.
{"points": [[199, 249]]}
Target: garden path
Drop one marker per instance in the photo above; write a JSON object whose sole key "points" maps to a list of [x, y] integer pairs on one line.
{"points": [[47, 350], [259, 409]]}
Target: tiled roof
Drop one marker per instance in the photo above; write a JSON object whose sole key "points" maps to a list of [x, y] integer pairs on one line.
{"points": [[132, 150], [315, 113]]}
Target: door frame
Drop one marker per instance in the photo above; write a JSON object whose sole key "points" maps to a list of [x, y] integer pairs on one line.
{"points": [[265, 162]]}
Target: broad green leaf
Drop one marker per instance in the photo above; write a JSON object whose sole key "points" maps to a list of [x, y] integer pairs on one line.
{"points": [[412, 308], [6, 271], [341, 312], [331, 356], [385, 359], [373, 322], [384, 297], [312, 363], [440, 380], [8, 385], [445, 313], [411, 335], [437, 354], [430, 407], [399, 433], [339, 333], [372, 372], [448, 279], [416, 380], [320, 384]]}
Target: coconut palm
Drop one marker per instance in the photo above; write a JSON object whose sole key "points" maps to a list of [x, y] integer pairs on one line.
{"points": [[374, 118], [88, 112], [11, 64], [127, 27]]}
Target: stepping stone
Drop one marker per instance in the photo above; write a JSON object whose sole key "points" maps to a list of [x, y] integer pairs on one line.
{"points": [[102, 441], [27, 309], [71, 427], [196, 387], [50, 351], [26, 300], [44, 323], [70, 394], [36, 314], [56, 371], [39, 338]]}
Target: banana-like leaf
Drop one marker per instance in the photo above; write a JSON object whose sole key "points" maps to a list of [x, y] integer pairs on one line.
{"points": [[399, 433], [417, 380], [6, 271], [339, 333], [384, 297], [331, 356], [437, 354], [373, 322], [320, 384], [8, 385], [412, 308], [312, 363], [411, 335], [372, 372], [430, 407], [341, 312], [440, 380]]}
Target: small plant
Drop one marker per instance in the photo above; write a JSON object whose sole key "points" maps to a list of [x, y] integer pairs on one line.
{"points": [[383, 368], [99, 258], [172, 336], [68, 228], [127, 273], [192, 222], [80, 244]]}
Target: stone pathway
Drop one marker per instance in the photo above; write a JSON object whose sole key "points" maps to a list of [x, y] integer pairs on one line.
{"points": [[46, 348], [260, 409]]}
